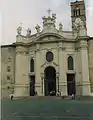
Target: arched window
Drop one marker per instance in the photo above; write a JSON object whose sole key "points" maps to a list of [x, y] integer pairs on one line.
{"points": [[79, 11], [74, 14], [70, 63], [31, 65], [8, 68]]}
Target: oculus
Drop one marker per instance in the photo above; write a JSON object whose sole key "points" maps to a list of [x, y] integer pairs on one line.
{"points": [[49, 56]]}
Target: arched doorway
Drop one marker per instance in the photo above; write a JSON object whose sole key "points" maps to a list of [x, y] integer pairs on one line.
{"points": [[50, 81]]}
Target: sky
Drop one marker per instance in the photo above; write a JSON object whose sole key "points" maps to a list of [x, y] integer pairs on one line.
{"points": [[30, 13]]}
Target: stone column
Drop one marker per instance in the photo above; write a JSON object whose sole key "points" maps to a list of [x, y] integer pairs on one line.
{"points": [[57, 83], [62, 71], [42, 83], [84, 68], [21, 73], [38, 86]]}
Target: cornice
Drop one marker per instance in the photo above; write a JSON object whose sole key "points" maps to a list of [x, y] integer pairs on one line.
{"points": [[22, 51], [11, 45], [47, 41], [82, 38], [90, 38], [59, 38]]}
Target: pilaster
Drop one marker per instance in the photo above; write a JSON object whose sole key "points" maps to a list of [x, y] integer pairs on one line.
{"points": [[38, 80], [84, 68], [62, 71], [21, 72]]}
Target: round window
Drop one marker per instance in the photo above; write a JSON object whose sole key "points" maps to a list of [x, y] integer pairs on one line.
{"points": [[49, 56]]}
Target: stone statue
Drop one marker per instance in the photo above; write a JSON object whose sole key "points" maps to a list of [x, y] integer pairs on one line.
{"points": [[37, 28], [28, 32], [54, 17], [60, 26], [19, 30], [44, 19]]}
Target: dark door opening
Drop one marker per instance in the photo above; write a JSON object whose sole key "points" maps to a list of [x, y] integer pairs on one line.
{"points": [[50, 81], [71, 86], [32, 85]]}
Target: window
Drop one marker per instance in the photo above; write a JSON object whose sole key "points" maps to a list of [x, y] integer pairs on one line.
{"points": [[49, 56], [9, 59], [79, 11], [32, 65], [8, 87], [8, 77], [8, 68], [74, 12], [70, 63]]}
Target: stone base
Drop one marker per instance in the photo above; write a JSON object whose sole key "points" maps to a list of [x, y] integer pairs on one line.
{"points": [[21, 91], [86, 90]]}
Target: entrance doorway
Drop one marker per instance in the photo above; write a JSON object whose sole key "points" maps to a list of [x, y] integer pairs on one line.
{"points": [[32, 85], [50, 81], [71, 86]]}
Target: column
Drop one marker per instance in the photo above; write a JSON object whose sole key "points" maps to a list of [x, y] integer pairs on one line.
{"points": [[38, 85], [57, 83], [84, 68], [42, 82], [62, 71]]}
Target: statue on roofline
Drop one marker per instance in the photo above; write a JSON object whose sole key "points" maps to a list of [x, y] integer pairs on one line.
{"points": [[19, 29], [60, 26], [44, 19], [28, 32], [54, 17], [37, 28]]}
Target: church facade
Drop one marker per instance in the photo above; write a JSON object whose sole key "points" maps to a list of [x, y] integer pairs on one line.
{"points": [[52, 60]]}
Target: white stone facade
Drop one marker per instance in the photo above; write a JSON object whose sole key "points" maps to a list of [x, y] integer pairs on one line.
{"points": [[62, 44]]}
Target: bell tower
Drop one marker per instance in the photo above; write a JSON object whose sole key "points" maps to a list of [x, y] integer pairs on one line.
{"points": [[78, 11]]}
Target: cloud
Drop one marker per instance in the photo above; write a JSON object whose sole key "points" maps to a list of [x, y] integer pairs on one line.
{"points": [[30, 12]]}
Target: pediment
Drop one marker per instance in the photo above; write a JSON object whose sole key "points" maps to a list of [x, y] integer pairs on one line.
{"points": [[49, 37]]}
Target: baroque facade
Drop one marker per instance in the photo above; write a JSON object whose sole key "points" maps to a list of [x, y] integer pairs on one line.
{"points": [[50, 60]]}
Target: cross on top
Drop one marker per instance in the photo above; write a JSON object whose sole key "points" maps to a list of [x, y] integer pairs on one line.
{"points": [[49, 11]]}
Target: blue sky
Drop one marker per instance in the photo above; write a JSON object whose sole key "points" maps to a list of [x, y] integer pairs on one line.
{"points": [[30, 13]]}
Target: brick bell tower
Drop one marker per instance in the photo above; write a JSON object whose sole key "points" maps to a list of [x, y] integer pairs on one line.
{"points": [[78, 10]]}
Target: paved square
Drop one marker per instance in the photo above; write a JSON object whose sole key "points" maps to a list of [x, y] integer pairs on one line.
{"points": [[28, 109]]}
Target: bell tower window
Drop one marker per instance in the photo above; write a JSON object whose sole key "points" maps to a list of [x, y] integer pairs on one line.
{"points": [[76, 12]]}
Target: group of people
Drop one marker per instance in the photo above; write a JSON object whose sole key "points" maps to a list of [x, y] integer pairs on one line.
{"points": [[52, 93], [59, 94]]}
